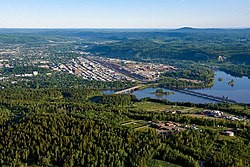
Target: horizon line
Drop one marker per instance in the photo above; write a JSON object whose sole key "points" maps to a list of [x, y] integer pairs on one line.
{"points": [[165, 28]]}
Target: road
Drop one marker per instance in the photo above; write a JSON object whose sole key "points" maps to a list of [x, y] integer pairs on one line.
{"points": [[128, 90]]}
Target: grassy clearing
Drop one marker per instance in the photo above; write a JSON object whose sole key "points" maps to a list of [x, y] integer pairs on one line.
{"points": [[159, 163], [151, 106], [202, 116], [145, 129], [243, 109], [127, 121], [136, 124]]}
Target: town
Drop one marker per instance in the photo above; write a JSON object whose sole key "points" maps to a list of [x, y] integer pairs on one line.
{"points": [[85, 65], [108, 69]]}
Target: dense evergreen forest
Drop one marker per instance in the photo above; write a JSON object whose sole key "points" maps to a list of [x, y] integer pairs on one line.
{"points": [[62, 127]]}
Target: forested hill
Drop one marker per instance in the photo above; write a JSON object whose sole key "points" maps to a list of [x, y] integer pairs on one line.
{"points": [[62, 127], [170, 46]]}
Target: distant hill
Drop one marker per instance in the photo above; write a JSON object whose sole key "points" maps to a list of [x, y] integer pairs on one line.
{"points": [[186, 28], [211, 29]]}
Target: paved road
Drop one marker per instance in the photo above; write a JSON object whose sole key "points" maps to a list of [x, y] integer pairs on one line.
{"points": [[128, 90]]}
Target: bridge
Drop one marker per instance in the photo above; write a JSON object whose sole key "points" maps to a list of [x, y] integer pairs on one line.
{"points": [[203, 95], [185, 91], [129, 90]]}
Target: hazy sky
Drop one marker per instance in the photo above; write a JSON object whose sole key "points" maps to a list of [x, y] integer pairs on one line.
{"points": [[124, 13]]}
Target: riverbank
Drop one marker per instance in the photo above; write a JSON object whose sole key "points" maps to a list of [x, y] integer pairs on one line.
{"points": [[240, 92]]}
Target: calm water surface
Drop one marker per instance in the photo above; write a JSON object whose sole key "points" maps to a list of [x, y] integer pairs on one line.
{"points": [[176, 97], [240, 91]]}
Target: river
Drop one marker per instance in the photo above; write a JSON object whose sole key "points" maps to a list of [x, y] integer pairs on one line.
{"points": [[239, 92]]}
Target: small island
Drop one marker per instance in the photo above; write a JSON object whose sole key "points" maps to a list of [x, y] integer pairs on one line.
{"points": [[160, 92], [231, 83], [220, 79]]}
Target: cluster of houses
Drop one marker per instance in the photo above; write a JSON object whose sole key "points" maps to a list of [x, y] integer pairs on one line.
{"points": [[213, 113], [35, 73], [90, 69], [18, 77], [166, 126], [220, 114], [171, 127]]}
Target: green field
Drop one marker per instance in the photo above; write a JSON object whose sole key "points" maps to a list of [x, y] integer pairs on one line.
{"points": [[135, 124], [158, 163], [151, 106]]}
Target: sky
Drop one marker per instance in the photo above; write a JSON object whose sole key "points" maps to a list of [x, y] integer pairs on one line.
{"points": [[124, 13]]}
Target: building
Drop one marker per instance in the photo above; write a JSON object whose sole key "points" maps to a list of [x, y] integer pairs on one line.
{"points": [[229, 133], [35, 73]]}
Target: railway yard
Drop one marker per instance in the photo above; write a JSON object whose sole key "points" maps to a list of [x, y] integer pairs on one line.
{"points": [[108, 69]]}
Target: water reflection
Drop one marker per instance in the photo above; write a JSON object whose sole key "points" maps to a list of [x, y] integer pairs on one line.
{"points": [[225, 85], [233, 87]]}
